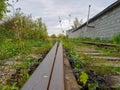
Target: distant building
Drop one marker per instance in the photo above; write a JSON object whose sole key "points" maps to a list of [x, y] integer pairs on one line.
{"points": [[104, 25]]}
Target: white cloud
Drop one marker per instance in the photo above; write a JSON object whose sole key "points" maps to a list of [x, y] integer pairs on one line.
{"points": [[49, 10]]}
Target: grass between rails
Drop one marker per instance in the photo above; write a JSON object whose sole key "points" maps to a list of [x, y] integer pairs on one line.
{"points": [[114, 51], [107, 51], [99, 65]]}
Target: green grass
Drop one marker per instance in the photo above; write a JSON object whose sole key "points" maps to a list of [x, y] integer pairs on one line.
{"points": [[79, 39], [90, 62], [10, 48], [115, 39], [105, 70], [113, 52], [26, 61], [21, 36]]}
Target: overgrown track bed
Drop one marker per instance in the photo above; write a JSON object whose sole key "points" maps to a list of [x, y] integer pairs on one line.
{"points": [[95, 68], [101, 44], [52, 73]]}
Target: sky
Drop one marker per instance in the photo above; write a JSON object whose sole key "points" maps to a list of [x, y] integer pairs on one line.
{"points": [[67, 10]]}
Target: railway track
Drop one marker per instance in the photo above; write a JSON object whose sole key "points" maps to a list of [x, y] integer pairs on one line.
{"points": [[54, 73], [101, 44]]}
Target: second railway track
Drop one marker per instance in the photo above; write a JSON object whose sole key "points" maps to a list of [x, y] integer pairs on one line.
{"points": [[101, 44]]}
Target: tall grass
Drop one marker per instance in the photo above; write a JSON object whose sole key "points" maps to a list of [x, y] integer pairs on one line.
{"points": [[19, 33]]}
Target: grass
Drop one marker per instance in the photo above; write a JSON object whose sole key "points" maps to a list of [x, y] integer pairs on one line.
{"points": [[10, 48], [115, 39], [79, 39], [108, 51], [20, 38], [77, 65], [115, 51], [105, 70], [99, 66], [23, 70]]}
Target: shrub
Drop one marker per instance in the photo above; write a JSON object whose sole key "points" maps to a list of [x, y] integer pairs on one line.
{"points": [[22, 26]]}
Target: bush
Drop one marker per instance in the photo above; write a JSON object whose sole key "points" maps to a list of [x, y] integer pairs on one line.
{"points": [[22, 26]]}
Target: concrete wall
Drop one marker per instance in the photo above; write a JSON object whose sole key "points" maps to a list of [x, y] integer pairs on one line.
{"points": [[105, 26]]}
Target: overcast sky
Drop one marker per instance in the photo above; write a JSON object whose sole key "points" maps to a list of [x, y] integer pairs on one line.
{"points": [[49, 10]]}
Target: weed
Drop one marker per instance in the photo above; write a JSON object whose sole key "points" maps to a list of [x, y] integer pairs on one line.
{"points": [[77, 62], [105, 70], [83, 78], [12, 87]]}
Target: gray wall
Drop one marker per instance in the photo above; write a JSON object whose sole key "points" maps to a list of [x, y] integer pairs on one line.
{"points": [[105, 26]]}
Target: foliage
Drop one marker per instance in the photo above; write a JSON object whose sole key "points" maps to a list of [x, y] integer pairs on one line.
{"points": [[93, 86], [83, 78], [95, 69], [3, 8], [80, 39], [21, 26], [12, 87], [110, 51], [77, 62], [23, 76], [67, 44], [10, 48], [43, 47], [116, 39], [78, 65], [53, 36], [62, 36], [20, 36], [105, 70], [19, 33], [27, 63]]}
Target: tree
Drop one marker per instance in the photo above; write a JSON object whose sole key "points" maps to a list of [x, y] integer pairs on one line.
{"points": [[61, 36], [53, 36], [77, 23], [3, 8]]}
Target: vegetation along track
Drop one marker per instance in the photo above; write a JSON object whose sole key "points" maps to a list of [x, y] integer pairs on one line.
{"points": [[94, 67], [15, 71]]}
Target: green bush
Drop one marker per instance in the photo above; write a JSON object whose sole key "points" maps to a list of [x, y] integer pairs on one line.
{"points": [[22, 26]]}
